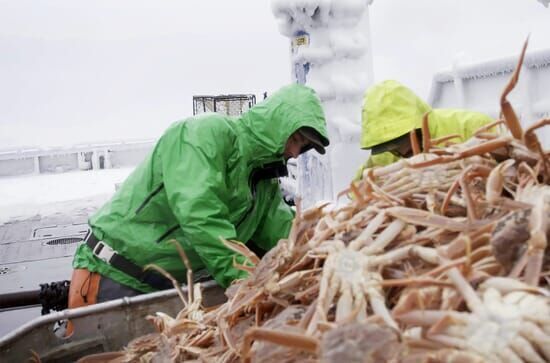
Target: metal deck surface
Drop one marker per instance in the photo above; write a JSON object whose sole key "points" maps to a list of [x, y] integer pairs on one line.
{"points": [[39, 250]]}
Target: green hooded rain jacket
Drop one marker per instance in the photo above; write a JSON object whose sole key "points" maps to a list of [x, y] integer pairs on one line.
{"points": [[195, 187]]}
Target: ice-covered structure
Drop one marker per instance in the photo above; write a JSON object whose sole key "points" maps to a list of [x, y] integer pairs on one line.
{"points": [[330, 52], [478, 87]]}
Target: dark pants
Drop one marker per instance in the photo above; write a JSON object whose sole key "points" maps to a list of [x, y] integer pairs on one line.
{"points": [[111, 290]]}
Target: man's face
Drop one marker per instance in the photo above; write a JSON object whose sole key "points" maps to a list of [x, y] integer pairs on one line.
{"points": [[404, 149], [294, 145], [400, 147]]}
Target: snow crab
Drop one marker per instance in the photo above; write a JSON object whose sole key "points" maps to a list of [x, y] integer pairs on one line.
{"points": [[351, 273], [508, 321]]}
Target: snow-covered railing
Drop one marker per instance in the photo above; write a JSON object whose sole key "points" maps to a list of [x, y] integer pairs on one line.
{"points": [[104, 155], [478, 87]]}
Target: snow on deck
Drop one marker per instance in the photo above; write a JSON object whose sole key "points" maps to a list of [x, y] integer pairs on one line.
{"points": [[25, 196]]}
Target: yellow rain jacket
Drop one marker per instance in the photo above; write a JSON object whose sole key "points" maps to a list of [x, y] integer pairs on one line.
{"points": [[391, 110]]}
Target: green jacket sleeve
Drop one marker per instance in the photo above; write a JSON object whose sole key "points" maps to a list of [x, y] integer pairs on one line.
{"points": [[194, 178], [276, 221]]}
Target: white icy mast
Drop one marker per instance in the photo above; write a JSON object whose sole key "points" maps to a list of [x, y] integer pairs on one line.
{"points": [[330, 52]]}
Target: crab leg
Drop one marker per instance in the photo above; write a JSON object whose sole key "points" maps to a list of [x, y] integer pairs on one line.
{"points": [[495, 186], [91, 358], [472, 300], [536, 335], [442, 139], [327, 290], [426, 137], [295, 228], [385, 237], [523, 348], [508, 355], [308, 315], [532, 142], [449, 341], [383, 194], [360, 305], [174, 282], [241, 249], [378, 305], [519, 266], [361, 200], [389, 169], [483, 129], [415, 282], [413, 187], [480, 149], [425, 253], [414, 142], [470, 204], [537, 245], [506, 285], [393, 186], [507, 111], [537, 242], [447, 200], [485, 147], [458, 246], [366, 236], [345, 302], [284, 338], [291, 280], [421, 317], [187, 264], [423, 218]]}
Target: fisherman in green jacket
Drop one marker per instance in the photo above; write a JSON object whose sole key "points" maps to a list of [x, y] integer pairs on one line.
{"points": [[391, 111], [208, 177]]}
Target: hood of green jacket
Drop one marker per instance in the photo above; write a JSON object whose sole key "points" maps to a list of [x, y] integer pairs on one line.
{"points": [[267, 126]]}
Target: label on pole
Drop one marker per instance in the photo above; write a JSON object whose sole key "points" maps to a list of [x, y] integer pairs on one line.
{"points": [[313, 170], [301, 69]]}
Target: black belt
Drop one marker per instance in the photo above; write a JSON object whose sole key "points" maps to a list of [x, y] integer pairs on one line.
{"points": [[104, 252]]}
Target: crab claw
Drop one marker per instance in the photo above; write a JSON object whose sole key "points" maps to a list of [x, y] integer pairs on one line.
{"points": [[508, 112]]}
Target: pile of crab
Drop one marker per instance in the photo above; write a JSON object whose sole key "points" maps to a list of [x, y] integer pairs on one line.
{"points": [[441, 257]]}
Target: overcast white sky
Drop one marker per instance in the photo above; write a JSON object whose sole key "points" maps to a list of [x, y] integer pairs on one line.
{"points": [[82, 71]]}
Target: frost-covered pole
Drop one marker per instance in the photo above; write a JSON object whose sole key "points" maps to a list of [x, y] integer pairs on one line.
{"points": [[330, 52]]}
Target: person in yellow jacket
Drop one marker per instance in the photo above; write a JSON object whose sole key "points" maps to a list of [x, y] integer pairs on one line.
{"points": [[391, 111]]}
